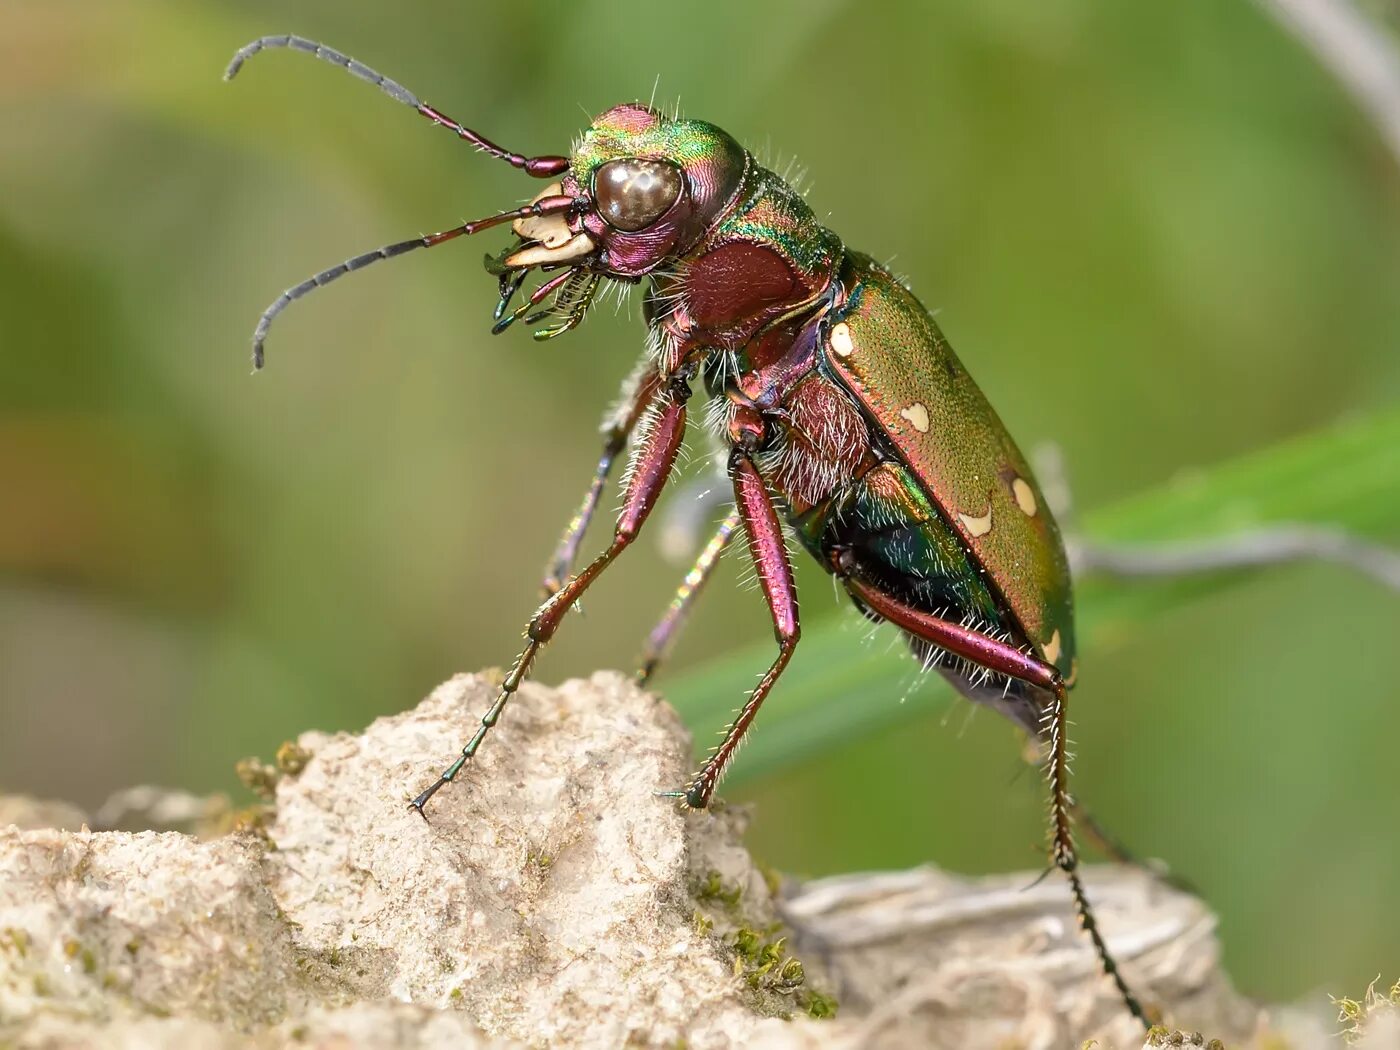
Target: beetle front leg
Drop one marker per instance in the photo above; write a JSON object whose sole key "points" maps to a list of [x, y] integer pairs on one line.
{"points": [[638, 391], [768, 548], [651, 469]]}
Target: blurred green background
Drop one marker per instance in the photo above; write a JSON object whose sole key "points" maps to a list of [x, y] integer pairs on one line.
{"points": [[1159, 235]]}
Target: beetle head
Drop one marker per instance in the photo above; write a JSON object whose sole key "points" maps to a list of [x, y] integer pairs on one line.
{"points": [[639, 190], [645, 190], [656, 185]]}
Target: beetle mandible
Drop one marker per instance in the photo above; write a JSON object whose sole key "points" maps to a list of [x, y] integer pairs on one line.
{"points": [[844, 410]]}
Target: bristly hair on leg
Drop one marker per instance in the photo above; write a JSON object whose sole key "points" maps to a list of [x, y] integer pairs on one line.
{"points": [[1054, 724]]}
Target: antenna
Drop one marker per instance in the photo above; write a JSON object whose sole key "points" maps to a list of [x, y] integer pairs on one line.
{"points": [[545, 167], [543, 206]]}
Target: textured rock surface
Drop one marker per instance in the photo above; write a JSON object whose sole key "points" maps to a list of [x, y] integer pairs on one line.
{"points": [[553, 901], [998, 962]]}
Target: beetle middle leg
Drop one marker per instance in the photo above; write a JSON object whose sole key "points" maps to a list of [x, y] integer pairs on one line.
{"points": [[768, 548], [663, 635], [664, 431], [1006, 659]]}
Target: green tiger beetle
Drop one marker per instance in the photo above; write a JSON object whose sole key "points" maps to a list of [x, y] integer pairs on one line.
{"points": [[845, 414]]}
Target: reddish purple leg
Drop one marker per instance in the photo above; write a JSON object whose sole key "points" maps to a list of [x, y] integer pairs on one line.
{"points": [[663, 635], [655, 459], [638, 392], [768, 549], [1008, 660]]}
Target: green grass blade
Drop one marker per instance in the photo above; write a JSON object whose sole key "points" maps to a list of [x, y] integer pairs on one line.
{"points": [[839, 688]]}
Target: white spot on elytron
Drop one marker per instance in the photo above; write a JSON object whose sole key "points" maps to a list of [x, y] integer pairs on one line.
{"points": [[841, 340], [977, 526], [1025, 496], [917, 415], [1052, 647]]}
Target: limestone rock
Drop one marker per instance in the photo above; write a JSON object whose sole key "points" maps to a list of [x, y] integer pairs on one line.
{"points": [[554, 900]]}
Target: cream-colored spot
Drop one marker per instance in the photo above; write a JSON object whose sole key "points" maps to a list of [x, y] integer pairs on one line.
{"points": [[538, 255], [841, 340], [1052, 647], [977, 526], [1025, 496], [551, 230], [1073, 672], [917, 415]]}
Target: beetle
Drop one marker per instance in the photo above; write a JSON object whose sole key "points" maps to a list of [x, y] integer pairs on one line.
{"points": [[845, 414]]}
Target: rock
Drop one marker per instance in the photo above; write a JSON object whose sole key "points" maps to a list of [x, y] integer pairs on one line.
{"points": [[553, 900], [552, 896], [938, 961], [102, 925]]}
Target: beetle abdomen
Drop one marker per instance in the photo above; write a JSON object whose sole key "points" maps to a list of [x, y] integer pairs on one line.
{"points": [[883, 529]]}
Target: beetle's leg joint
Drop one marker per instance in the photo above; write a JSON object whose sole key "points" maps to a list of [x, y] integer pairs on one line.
{"points": [[843, 561], [747, 431], [678, 383]]}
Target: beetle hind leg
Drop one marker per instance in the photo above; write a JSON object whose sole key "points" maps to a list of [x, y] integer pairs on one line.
{"points": [[1113, 848], [1050, 726]]}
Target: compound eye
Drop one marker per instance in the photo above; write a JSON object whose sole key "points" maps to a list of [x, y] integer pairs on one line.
{"points": [[633, 193]]}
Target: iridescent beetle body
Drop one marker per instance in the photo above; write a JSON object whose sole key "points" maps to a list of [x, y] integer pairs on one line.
{"points": [[896, 363], [843, 408], [888, 462]]}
